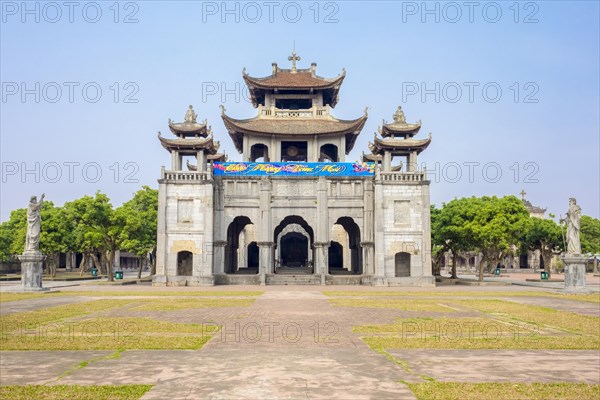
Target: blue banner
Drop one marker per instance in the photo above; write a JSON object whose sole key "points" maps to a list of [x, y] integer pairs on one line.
{"points": [[293, 169]]}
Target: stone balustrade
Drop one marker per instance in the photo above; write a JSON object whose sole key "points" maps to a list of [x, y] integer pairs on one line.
{"points": [[185, 176], [314, 112], [403, 176]]}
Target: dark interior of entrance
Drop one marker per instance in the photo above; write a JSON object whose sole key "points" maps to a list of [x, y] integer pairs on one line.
{"points": [[233, 243], [336, 264], [294, 250], [294, 151]]}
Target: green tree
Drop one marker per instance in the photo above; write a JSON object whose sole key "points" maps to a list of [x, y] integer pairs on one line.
{"points": [[590, 235], [495, 226], [139, 217], [96, 230], [449, 228], [12, 234], [544, 235]]}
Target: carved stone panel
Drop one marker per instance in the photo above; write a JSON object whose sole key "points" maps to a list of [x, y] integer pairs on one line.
{"points": [[184, 210], [402, 212]]}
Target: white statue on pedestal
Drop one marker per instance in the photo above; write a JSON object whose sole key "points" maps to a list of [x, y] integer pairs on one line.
{"points": [[34, 225]]}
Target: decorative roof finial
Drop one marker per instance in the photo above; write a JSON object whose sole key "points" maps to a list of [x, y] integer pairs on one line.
{"points": [[190, 116], [293, 58], [399, 117], [523, 193], [222, 107]]}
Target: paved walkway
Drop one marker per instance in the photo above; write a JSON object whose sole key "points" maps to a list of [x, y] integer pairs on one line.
{"points": [[291, 343]]}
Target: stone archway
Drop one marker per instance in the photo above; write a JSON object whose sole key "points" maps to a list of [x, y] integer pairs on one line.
{"points": [[294, 241], [184, 263], [351, 250], [235, 228]]}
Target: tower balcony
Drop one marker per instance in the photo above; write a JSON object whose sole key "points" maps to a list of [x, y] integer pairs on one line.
{"points": [[313, 112]]}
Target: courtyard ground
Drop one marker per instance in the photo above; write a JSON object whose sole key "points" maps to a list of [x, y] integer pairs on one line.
{"points": [[300, 342]]}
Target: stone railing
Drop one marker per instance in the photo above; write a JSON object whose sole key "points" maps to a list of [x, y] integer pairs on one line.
{"points": [[314, 112], [185, 176], [403, 176]]}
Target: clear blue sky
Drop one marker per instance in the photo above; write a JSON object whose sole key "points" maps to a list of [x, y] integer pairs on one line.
{"points": [[177, 51]]}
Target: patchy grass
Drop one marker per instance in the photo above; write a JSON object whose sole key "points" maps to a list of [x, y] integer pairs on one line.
{"points": [[593, 298], [74, 392], [513, 391], [150, 293], [499, 325], [542, 316], [59, 313], [400, 304], [170, 305], [110, 333], [6, 297]]}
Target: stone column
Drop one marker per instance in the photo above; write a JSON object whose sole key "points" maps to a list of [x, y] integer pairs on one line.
{"points": [[201, 161], [379, 279], [411, 165], [387, 161], [574, 273], [321, 259], [117, 261], [265, 264], [161, 231], [426, 229], [219, 257], [69, 261], [31, 271]]}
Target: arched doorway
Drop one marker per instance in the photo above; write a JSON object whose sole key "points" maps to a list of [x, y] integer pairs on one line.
{"points": [[328, 153], [253, 256], [335, 256], [294, 240], [259, 152], [402, 261], [232, 248], [184, 263], [350, 248]]}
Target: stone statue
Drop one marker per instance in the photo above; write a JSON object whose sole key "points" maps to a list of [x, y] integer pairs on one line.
{"points": [[34, 225], [399, 117], [572, 219], [190, 116]]}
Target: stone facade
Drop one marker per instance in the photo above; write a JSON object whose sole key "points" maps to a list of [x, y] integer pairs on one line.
{"points": [[215, 229]]}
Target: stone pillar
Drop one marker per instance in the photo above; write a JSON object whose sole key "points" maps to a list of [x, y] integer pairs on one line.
{"points": [[161, 231], [574, 272], [411, 165], [69, 261], [117, 262], [201, 161], [31, 271], [265, 264], [379, 279], [387, 161], [321, 259], [219, 257], [426, 229], [322, 231], [175, 160]]}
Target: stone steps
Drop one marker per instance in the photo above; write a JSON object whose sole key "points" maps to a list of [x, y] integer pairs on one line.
{"points": [[288, 279]]}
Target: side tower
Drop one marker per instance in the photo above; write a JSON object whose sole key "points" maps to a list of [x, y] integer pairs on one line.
{"points": [[185, 206], [402, 214]]}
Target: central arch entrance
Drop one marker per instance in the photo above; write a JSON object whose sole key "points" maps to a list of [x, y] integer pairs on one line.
{"points": [[241, 251], [294, 249]]}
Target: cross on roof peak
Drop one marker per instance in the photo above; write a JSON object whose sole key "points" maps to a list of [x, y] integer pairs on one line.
{"points": [[523, 193], [293, 58]]}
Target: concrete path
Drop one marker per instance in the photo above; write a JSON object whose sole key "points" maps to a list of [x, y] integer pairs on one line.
{"points": [[291, 343], [503, 365]]}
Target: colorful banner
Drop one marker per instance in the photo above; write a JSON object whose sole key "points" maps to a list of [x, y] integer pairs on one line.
{"points": [[293, 169]]}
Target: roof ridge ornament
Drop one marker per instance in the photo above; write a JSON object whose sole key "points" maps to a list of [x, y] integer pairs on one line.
{"points": [[399, 117], [293, 58], [190, 116], [222, 107]]}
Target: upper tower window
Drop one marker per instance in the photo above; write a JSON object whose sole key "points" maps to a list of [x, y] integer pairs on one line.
{"points": [[293, 104]]}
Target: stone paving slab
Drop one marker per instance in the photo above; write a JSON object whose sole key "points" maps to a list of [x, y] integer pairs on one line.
{"points": [[566, 304], [519, 366], [39, 303], [41, 367], [235, 374]]}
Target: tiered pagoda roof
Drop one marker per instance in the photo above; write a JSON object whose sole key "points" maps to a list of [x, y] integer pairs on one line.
{"points": [[192, 137], [301, 126], [397, 138], [294, 80]]}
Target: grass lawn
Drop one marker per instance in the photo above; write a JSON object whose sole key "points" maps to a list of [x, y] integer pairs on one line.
{"points": [[6, 297], [96, 325], [73, 392], [592, 298], [495, 391], [476, 324]]}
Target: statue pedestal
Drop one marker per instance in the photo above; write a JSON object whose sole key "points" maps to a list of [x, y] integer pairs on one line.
{"points": [[31, 271], [574, 273]]}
